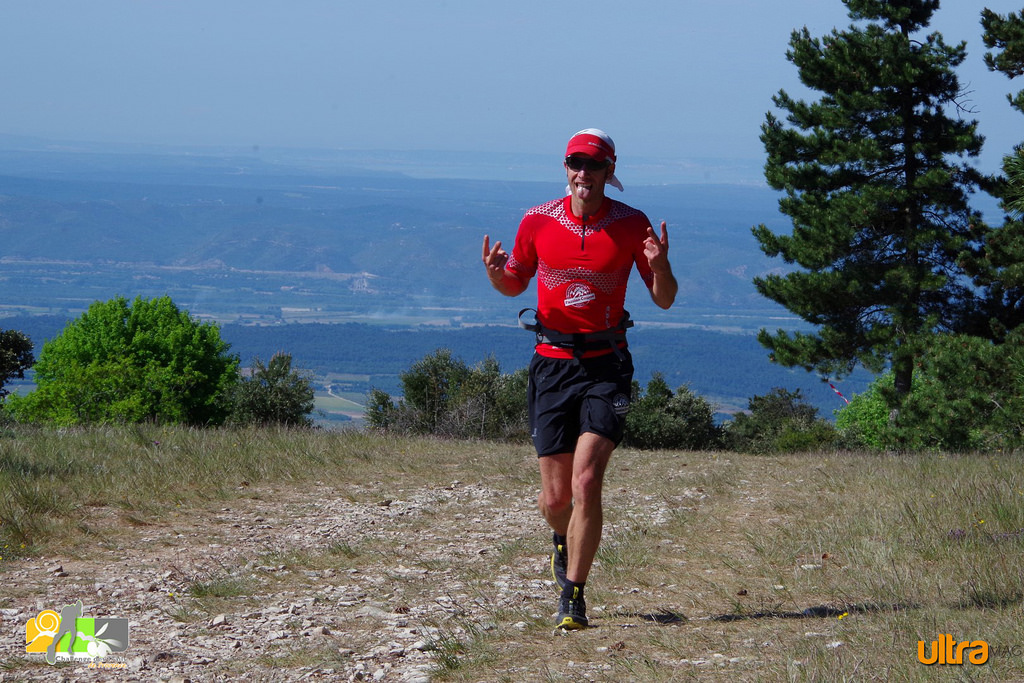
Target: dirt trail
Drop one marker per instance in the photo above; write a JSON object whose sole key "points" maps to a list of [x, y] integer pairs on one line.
{"points": [[327, 588]]}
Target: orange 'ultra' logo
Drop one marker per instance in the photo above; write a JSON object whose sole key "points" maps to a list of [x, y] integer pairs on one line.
{"points": [[946, 650]]}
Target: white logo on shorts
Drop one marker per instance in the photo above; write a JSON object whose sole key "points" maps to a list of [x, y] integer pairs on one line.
{"points": [[621, 404]]}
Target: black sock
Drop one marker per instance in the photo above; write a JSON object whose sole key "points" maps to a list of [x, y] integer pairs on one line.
{"points": [[561, 540], [573, 590]]}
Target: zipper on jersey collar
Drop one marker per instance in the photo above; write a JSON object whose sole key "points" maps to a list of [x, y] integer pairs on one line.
{"points": [[583, 237]]}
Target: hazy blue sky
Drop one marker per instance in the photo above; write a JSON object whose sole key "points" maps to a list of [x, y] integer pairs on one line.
{"points": [[683, 79]]}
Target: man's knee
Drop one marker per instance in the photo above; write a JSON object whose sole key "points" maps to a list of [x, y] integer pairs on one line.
{"points": [[588, 480], [556, 501], [586, 487]]}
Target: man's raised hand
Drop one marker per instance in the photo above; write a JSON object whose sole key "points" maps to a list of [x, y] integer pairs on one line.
{"points": [[656, 249]]}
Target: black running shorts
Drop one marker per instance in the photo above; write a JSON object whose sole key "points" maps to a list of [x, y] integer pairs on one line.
{"points": [[567, 397]]}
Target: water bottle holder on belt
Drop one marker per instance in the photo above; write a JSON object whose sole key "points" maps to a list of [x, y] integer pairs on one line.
{"points": [[580, 343]]}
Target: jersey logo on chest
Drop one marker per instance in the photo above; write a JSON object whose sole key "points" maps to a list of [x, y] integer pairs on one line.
{"points": [[578, 295]]}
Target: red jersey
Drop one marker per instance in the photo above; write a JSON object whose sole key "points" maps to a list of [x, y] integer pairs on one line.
{"points": [[582, 266]]}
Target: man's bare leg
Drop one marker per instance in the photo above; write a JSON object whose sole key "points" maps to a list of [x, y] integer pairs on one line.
{"points": [[570, 500], [555, 499], [585, 524]]}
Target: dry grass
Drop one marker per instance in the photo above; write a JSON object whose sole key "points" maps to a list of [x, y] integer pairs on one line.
{"points": [[726, 566]]}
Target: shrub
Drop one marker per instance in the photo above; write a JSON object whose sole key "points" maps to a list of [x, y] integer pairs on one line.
{"points": [[429, 387], [273, 394], [659, 419], [381, 411], [968, 395], [780, 421], [488, 404], [445, 397], [864, 422]]}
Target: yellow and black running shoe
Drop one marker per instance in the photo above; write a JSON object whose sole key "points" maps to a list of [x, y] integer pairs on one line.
{"points": [[559, 562], [572, 612]]}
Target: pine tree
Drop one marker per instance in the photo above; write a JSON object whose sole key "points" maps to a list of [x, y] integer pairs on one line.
{"points": [[876, 180], [998, 266]]}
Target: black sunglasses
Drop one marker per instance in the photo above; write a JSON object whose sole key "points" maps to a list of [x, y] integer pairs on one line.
{"points": [[580, 163]]}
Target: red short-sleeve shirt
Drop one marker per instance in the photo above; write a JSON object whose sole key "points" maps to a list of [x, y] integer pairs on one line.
{"points": [[582, 266]]}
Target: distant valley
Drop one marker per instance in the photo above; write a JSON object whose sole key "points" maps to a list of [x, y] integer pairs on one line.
{"points": [[247, 239], [280, 252]]}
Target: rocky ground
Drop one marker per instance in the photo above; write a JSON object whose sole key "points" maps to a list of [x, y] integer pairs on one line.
{"points": [[285, 584]]}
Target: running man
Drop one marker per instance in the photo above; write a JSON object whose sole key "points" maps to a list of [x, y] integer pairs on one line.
{"points": [[582, 249]]}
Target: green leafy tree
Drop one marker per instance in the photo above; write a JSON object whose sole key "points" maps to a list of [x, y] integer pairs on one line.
{"points": [[661, 419], [274, 394], [1005, 34], [15, 357], [1013, 166], [876, 183], [381, 413], [122, 362]]}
